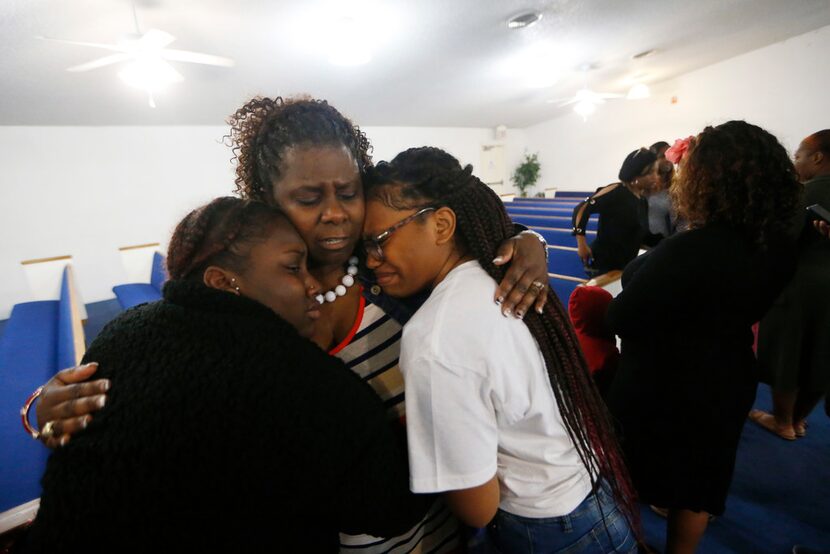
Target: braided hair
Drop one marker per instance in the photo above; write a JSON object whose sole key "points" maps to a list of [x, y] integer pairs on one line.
{"points": [[219, 233], [264, 128], [428, 176]]}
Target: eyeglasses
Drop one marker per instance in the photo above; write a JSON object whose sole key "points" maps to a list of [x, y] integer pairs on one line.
{"points": [[372, 245]]}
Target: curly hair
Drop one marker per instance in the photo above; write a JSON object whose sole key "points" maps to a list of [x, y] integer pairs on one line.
{"points": [[740, 175], [421, 177], [264, 128], [219, 233]]}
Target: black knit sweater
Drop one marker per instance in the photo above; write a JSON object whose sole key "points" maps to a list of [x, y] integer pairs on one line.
{"points": [[224, 430]]}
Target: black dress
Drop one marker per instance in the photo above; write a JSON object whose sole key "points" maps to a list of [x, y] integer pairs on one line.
{"points": [[687, 374], [794, 336], [226, 431], [621, 230]]}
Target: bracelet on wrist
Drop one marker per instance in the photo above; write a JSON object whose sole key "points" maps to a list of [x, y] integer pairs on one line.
{"points": [[24, 413]]}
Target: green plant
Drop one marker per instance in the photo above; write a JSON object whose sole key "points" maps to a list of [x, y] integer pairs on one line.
{"points": [[527, 173]]}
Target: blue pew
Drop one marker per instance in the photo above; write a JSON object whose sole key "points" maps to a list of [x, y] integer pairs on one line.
{"points": [[568, 194], [39, 339], [561, 222], [544, 202], [563, 260], [563, 288], [133, 294], [534, 210], [560, 236]]}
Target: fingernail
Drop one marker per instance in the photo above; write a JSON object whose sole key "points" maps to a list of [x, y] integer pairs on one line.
{"points": [[540, 310], [499, 300], [520, 314], [84, 422], [105, 386], [64, 440], [498, 260], [508, 312], [101, 401]]}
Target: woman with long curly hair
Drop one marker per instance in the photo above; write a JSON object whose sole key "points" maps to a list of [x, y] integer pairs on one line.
{"points": [[687, 374]]}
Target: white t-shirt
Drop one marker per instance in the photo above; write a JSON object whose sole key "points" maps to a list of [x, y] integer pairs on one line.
{"points": [[479, 403]]}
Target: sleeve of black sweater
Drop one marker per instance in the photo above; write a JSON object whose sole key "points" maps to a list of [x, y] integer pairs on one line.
{"points": [[359, 458]]}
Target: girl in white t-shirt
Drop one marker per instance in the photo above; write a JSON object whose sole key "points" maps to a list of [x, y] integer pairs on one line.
{"points": [[502, 415]]}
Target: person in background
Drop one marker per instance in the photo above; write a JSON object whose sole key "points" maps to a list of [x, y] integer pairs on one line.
{"points": [[623, 216], [225, 427], [661, 222], [659, 149], [587, 307], [687, 374], [502, 415], [794, 337]]}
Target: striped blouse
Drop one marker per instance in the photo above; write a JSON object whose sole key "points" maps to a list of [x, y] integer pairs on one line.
{"points": [[371, 350]]}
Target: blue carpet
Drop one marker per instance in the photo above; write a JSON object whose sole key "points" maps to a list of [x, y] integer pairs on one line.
{"points": [[780, 493]]}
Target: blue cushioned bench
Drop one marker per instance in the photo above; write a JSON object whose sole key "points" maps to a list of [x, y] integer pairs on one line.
{"points": [[562, 222], [563, 288], [560, 236], [568, 194], [563, 260], [39, 339], [536, 210], [133, 294]]}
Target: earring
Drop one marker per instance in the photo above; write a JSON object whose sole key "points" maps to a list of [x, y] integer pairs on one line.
{"points": [[235, 286]]}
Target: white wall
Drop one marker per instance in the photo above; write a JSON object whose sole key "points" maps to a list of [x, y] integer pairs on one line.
{"points": [[463, 143], [783, 87], [85, 191]]}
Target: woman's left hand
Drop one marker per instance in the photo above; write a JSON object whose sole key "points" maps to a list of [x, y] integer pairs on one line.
{"points": [[526, 282]]}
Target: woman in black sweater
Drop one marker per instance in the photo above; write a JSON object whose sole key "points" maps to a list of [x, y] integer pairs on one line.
{"points": [[687, 374], [300, 449]]}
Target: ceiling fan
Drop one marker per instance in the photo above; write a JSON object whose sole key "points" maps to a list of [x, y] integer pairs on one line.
{"points": [[586, 100], [146, 56]]}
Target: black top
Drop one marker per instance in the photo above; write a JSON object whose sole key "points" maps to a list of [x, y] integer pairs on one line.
{"points": [[224, 430], [687, 373], [623, 225], [794, 336]]}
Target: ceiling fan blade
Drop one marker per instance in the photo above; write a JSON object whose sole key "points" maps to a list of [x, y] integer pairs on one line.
{"points": [[113, 47], [196, 57], [155, 39], [100, 62]]}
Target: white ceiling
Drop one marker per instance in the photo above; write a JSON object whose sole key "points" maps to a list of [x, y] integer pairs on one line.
{"points": [[436, 62]]}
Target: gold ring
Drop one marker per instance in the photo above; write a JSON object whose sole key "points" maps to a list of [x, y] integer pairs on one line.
{"points": [[48, 430]]}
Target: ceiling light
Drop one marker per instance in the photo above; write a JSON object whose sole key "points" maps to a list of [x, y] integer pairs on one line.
{"points": [[585, 108], [524, 20], [639, 92], [644, 54], [150, 74]]}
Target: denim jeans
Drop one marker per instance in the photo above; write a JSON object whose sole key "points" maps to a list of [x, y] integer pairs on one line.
{"points": [[582, 530]]}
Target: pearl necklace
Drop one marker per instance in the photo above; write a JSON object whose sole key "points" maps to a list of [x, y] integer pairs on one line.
{"points": [[346, 282]]}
